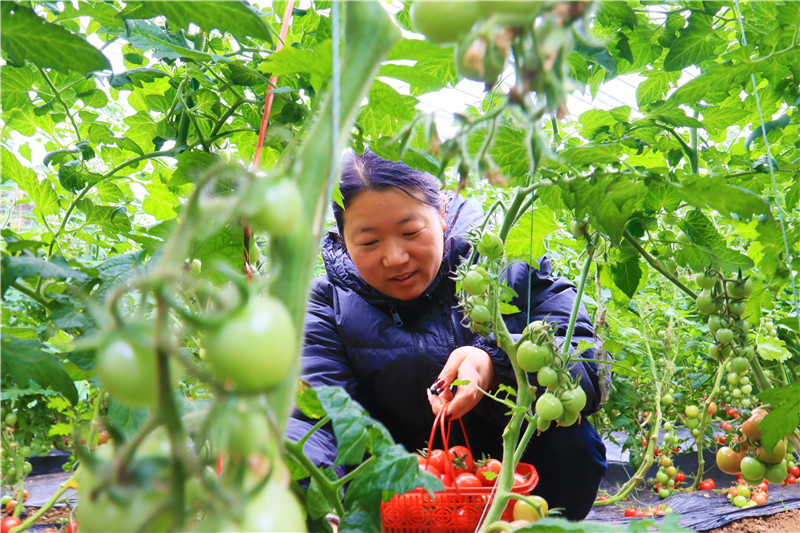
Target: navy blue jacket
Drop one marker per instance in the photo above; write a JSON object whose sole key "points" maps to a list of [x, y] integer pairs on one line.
{"points": [[386, 352]]}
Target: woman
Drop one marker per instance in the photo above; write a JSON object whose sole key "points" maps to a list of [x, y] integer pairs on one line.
{"points": [[384, 324]]}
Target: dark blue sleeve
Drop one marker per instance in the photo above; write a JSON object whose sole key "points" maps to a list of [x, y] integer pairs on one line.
{"points": [[324, 362], [542, 296]]}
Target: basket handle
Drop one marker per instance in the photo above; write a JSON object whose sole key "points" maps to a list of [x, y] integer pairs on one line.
{"points": [[444, 430]]}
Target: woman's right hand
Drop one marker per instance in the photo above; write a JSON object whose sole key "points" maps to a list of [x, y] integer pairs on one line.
{"points": [[466, 363]]}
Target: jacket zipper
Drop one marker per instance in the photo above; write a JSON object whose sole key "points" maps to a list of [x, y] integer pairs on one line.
{"points": [[397, 321]]}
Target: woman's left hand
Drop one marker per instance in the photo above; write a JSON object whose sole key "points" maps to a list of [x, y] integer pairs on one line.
{"points": [[466, 363]]}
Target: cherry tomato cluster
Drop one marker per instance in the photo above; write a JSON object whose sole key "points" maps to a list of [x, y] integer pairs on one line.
{"points": [[668, 478], [744, 495], [746, 456], [658, 510], [455, 467]]}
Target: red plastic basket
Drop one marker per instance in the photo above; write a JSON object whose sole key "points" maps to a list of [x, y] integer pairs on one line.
{"points": [[454, 510]]}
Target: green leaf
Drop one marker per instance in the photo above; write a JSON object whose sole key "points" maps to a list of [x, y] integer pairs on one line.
{"points": [[26, 360], [290, 60], [17, 81], [43, 195], [142, 130], [784, 418], [26, 266], [591, 155], [525, 241], [654, 87], [160, 201], [136, 77], [233, 17], [715, 193], [27, 36], [356, 433], [626, 275], [772, 348], [190, 165], [695, 44], [70, 176]]}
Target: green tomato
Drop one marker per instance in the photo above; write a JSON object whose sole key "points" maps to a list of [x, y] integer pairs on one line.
{"points": [[666, 400], [724, 335], [249, 430], [663, 493], [548, 406], [776, 473], [752, 468], [662, 477], [714, 323], [491, 246], [705, 303], [128, 370], [11, 419], [736, 308], [691, 411], [480, 314], [705, 281], [574, 400], [739, 500], [568, 418], [444, 22], [547, 376], [256, 348], [280, 208], [691, 423], [532, 357], [740, 289], [739, 364], [474, 283], [529, 8]]}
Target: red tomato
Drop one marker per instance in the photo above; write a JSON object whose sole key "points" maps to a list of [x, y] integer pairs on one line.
{"points": [[8, 523], [794, 470], [733, 491], [791, 480], [519, 479], [461, 458], [760, 498], [659, 512], [602, 498], [492, 466], [437, 458], [630, 511], [447, 481], [680, 477], [465, 480], [430, 469], [763, 486], [707, 484], [72, 527]]}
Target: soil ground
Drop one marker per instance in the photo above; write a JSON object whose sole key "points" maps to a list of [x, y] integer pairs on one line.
{"points": [[785, 522]]}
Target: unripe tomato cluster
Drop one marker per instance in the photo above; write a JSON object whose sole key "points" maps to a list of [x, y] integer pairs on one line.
{"points": [[668, 477], [477, 282], [483, 33], [564, 398], [746, 456]]}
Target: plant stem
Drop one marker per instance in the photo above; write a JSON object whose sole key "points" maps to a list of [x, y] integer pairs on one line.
{"points": [[653, 263], [30, 293], [325, 486], [57, 95], [62, 488], [704, 420], [573, 317]]}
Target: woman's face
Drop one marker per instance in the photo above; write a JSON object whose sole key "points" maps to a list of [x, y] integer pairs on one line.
{"points": [[395, 241]]}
